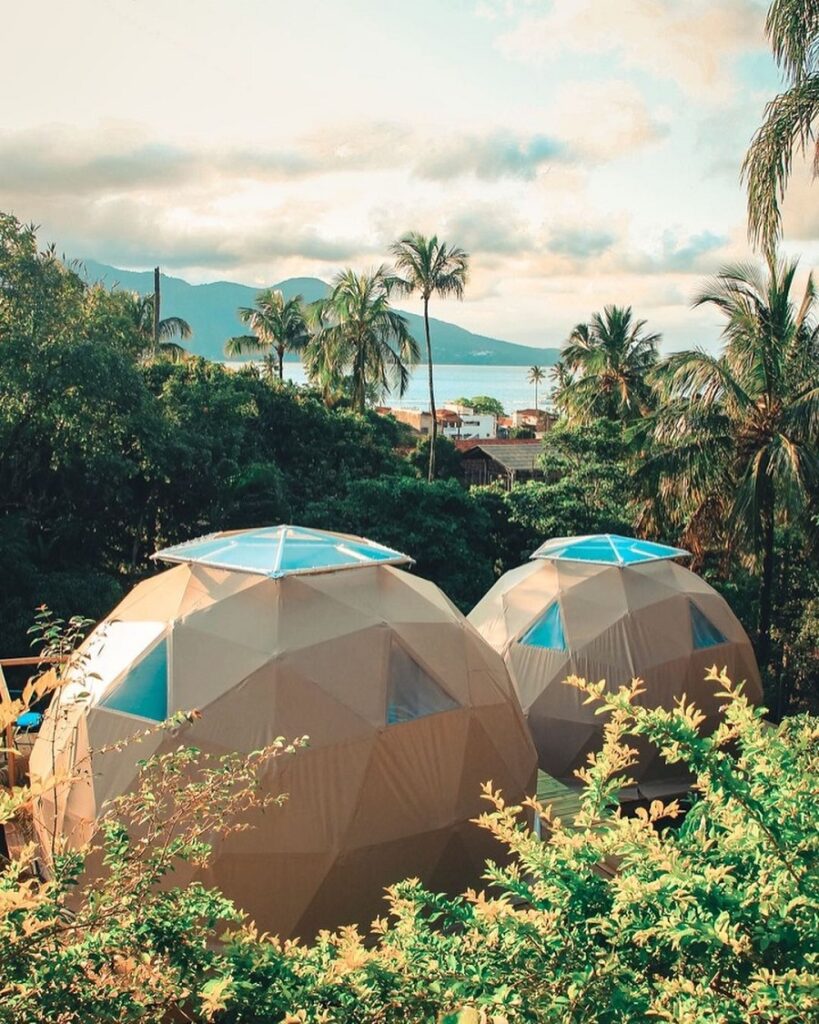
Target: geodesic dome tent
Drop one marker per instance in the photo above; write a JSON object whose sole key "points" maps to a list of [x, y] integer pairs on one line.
{"points": [[288, 631], [613, 608]]}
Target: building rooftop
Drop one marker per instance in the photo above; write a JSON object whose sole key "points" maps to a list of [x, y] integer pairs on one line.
{"points": [[511, 454], [465, 444]]}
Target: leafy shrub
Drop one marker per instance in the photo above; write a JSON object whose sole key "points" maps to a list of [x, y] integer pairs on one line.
{"points": [[612, 918]]}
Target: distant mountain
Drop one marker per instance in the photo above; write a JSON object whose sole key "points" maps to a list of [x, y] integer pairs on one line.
{"points": [[210, 309]]}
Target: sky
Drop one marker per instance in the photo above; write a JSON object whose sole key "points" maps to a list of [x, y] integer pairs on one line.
{"points": [[583, 152]]}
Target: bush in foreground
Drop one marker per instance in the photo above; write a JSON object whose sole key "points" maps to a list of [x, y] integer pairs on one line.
{"points": [[611, 918]]}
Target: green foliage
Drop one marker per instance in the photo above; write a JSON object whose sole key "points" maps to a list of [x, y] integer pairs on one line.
{"points": [[715, 919], [605, 365], [439, 524], [279, 326], [429, 267], [586, 490], [106, 457], [787, 129], [481, 404], [359, 335], [710, 915], [737, 435], [447, 458]]}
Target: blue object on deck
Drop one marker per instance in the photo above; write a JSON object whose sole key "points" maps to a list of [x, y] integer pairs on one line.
{"points": [[606, 549], [143, 690], [547, 631], [278, 551], [29, 720], [705, 632]]}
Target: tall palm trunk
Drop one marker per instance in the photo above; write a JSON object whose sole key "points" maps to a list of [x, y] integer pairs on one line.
{"points": [[434, 434], [156, 309], [535, 394], [280, 354], [766, 588], [359, 379]]}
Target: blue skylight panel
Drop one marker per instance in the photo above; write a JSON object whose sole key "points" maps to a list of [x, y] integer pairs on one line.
{"points": [[282, 550], [606, 549]]}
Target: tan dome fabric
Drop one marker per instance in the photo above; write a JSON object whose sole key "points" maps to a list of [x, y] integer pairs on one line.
{"points": [[656, 621], [407, 709]]}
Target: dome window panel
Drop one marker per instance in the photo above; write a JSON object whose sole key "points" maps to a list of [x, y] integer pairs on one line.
{"points": [[411, 692], [704, 631], [143, 690], [547, 631]]}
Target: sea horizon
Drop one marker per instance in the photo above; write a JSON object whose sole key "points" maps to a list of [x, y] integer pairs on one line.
{"points": [[455, 380]]}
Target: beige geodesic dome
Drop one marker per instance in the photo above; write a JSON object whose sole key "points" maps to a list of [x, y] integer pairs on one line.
{"points": [[610, 608], [290, 632]]}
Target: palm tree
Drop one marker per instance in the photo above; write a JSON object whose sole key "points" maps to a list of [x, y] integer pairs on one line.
{"points": [[535, 376], [561, 377], [738, 432], [156, 333], [609, 359], [359, 334], [430, 267], [278, 326], [788, 125]]}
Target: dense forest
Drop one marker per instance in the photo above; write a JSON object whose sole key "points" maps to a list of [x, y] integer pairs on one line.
{"points": [[111, 449]]}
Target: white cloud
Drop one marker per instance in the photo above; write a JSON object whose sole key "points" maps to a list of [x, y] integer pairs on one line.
{"points": [[603, 121], [692, 42]]}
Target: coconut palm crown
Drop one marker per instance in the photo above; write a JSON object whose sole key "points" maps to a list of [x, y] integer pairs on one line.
{"points": [[738, 431], [788, 127], [429, 267], [609, 359], [158, 336], [358, 334], [535, 375], [278, 326]]}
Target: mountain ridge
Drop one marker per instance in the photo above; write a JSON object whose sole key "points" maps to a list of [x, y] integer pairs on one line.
{"points": [[210, 309]]}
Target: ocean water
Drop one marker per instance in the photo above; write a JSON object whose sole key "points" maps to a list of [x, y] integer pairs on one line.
{"points": [[506, 383]]}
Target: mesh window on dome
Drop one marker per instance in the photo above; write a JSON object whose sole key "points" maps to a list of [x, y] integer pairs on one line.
{"points": [[411, 692], [547, 631], [705, 632], [143, 691]]}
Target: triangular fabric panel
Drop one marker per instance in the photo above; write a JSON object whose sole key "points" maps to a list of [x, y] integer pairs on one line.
{"points": [[411, 692], [547, 631], [705, 632], [143, 690]]}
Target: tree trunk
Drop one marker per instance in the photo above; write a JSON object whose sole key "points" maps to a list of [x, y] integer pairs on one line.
{"points": [[535, 394], [359, 380], [156, 309], [766, 587], [434, 433], [280, 354]]}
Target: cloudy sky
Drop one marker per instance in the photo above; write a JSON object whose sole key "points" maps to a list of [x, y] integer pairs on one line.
{"points": [[583, 151]]}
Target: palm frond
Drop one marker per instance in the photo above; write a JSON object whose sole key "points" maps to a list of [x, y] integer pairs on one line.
{"points": [[793, 27], [173, 326], [243, 345], [787, 128]]}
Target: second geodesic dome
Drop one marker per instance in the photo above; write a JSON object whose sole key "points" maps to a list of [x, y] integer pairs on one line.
{"points": [[287, 631], [613, 608]]}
